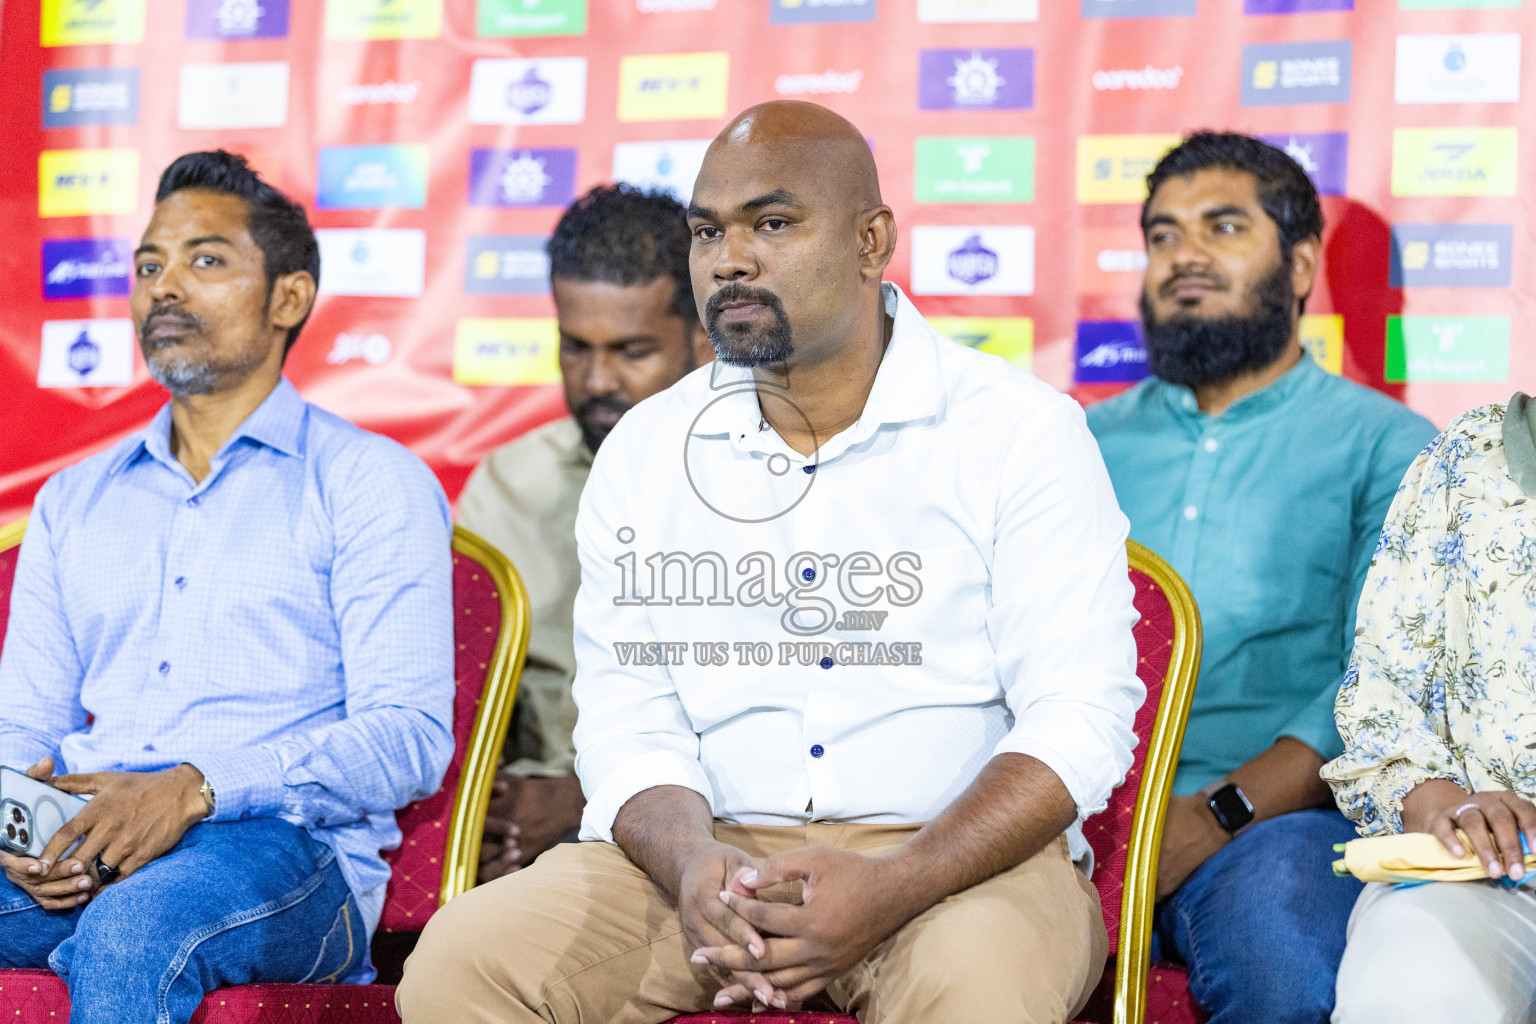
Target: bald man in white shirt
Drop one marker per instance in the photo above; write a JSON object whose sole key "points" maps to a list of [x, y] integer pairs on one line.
{"points": [[854, 657]]}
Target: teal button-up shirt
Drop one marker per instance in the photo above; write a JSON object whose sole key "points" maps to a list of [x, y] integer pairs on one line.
{"points": [[1270, 512]]}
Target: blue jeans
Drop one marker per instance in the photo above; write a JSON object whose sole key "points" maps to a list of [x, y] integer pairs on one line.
{"points": [[232, 903], [1260, 926]]}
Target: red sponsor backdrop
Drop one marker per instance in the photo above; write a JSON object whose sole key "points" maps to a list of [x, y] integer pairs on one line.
{"points": [[1082, 267]]}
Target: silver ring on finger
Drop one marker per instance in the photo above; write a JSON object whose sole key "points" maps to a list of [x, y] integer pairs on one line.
{"points": [[1469, 805]]}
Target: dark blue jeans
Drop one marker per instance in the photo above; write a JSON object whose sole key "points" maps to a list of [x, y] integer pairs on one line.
{"points": [[232, 903], [1260, 926]]}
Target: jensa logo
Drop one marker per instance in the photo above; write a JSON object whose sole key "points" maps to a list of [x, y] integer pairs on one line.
{"points": [[83, 22], [522, 177], [82, 182], [506, 265], [237, 19], [87, 96], [383, 19], [1454, 161], [673, 86], [510, 351], [973, 260], [976, 79], [1458, 69], [373, 349], [1110, 352], [78, 268], [372, 261], [86, 354], [670, 167], [233, 96], [1011, 337], [1146, 79], [827, 83], [550, 91]]}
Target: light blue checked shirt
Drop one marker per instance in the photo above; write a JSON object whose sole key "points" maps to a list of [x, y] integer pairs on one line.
{"points": [[286, 626]]}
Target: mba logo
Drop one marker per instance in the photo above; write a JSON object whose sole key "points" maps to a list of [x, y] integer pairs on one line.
{"points": [[973, 261], [1323, 155], [1447, 348], [82, 182], [1012, 337], [1110, 352], [1454, 161], [78, 268], [1458, 69], [786, 12], [388, 262], [976, 79], [1276, 74], [86, 354], [90, 96], [1138, 8], [233, 96], [237, 19], [1114, 168], [506, 265], [532, 17], [552, 91], [81, 22], [673, 86], [522, 177], [370, 177], [971, 11], [509, 352], [991, 169], [669, 167], [1451, 255], [383, 19]]}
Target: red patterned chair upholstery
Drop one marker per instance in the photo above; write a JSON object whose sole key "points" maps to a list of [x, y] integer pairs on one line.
{"points": [[440, 851], [1125, 836]]}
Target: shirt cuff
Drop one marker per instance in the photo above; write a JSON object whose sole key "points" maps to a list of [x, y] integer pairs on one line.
{"points": [[246, 783], [608, 795], [1090, 769]]}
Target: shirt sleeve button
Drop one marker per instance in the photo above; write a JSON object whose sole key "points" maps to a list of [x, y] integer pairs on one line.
{"points": [[817, 750], [1190, 512], [808, 574], [165, 667]]}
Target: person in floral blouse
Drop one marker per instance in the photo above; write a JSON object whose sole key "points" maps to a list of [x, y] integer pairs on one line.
{"points": [[1438, 717]]}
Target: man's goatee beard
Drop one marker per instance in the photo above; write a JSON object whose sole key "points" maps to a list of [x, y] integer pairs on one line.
{"points": [[1197, 351]]}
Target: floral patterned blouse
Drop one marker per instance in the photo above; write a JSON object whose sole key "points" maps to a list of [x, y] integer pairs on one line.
{"points": [[1442, 682]]}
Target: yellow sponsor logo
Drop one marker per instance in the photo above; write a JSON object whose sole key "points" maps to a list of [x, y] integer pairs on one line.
{"points": [[1012, 337], [59, 99], [506, 351], [673, 86], [1415, 255], [1454, 161], [82, 22], [1114, 168], [488, 265], [1265, 74], [383, 19], [80, 182], [1322, 335]]}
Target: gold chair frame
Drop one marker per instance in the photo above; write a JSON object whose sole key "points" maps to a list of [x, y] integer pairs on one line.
{"points": [[1139, 896], [461, 859]]}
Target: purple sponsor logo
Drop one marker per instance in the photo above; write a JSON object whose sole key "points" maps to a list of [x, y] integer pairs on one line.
{"points": [[237, 19], [529, 94], [1110, 352], [976, 79], [972, 262], [78, 268], [1323, 155], [522, 177], [1295, 6]]}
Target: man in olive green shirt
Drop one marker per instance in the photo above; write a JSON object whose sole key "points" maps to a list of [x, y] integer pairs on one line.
{"points": [[628, 329]]}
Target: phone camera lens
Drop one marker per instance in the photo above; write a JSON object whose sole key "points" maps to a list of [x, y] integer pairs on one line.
{"points": [[16, 815], [22, 837], [10, 831]]}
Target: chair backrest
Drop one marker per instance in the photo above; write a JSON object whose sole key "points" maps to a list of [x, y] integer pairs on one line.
{"points": [[440, 850], [1126, 834]]}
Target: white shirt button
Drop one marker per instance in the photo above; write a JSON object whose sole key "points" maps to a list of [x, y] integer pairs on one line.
{"points": [[1210, 444], [1189, 402], [1190, 512]]}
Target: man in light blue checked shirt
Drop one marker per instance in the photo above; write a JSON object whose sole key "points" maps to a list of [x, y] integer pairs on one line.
{"points": [[234, 630]]}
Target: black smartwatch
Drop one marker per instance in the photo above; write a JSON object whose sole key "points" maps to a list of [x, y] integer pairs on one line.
{"points": [[1230, 806]]}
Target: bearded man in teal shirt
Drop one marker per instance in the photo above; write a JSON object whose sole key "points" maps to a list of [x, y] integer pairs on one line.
{"points": [[1264, 481]]}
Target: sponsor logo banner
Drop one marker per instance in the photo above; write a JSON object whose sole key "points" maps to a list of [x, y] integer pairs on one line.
{"points": [[1012, 337], [1458, 69], [673, 86], [372, 261], [237, 19], [77, 268], [540, 18], [373, 349], [383, 19], [1114, 261], [1295, 6], [81, 182], [828, 83], [1148, 78], [1453, 5], [368, 177], [1323, 155], [86, 354], [977, 10], [1322, 336], [522, 177], [508, 352], [989, 169], [976, 79], [377, 93], [552, 91], [1451, 255], [669, 167], [90, 96], [673, 6], [973, 261], [233, 96], [1454, 161], [1275, 74], [1138, 8], [1114, 168], [82, 22], [787, 12], [1447, 348], [506, 265], [1110, 352]]}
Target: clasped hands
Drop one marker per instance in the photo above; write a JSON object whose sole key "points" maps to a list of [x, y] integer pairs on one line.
{"points": [[132, 818], [781, 954]]}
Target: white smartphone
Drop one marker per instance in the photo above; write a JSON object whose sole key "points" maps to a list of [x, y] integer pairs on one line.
{"points": [[31, 812]]}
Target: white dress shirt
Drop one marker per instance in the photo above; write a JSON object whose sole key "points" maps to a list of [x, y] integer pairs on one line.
{"points": [[966, 513]]}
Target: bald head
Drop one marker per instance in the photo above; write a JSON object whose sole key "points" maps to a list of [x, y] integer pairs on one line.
{"points": [[794, 130]]}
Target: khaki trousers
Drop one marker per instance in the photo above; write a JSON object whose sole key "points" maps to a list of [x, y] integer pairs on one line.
{"points": [[583, 935]]}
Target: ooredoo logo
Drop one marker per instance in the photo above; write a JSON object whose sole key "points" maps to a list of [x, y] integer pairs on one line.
{"points": [[1137, 79]]}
